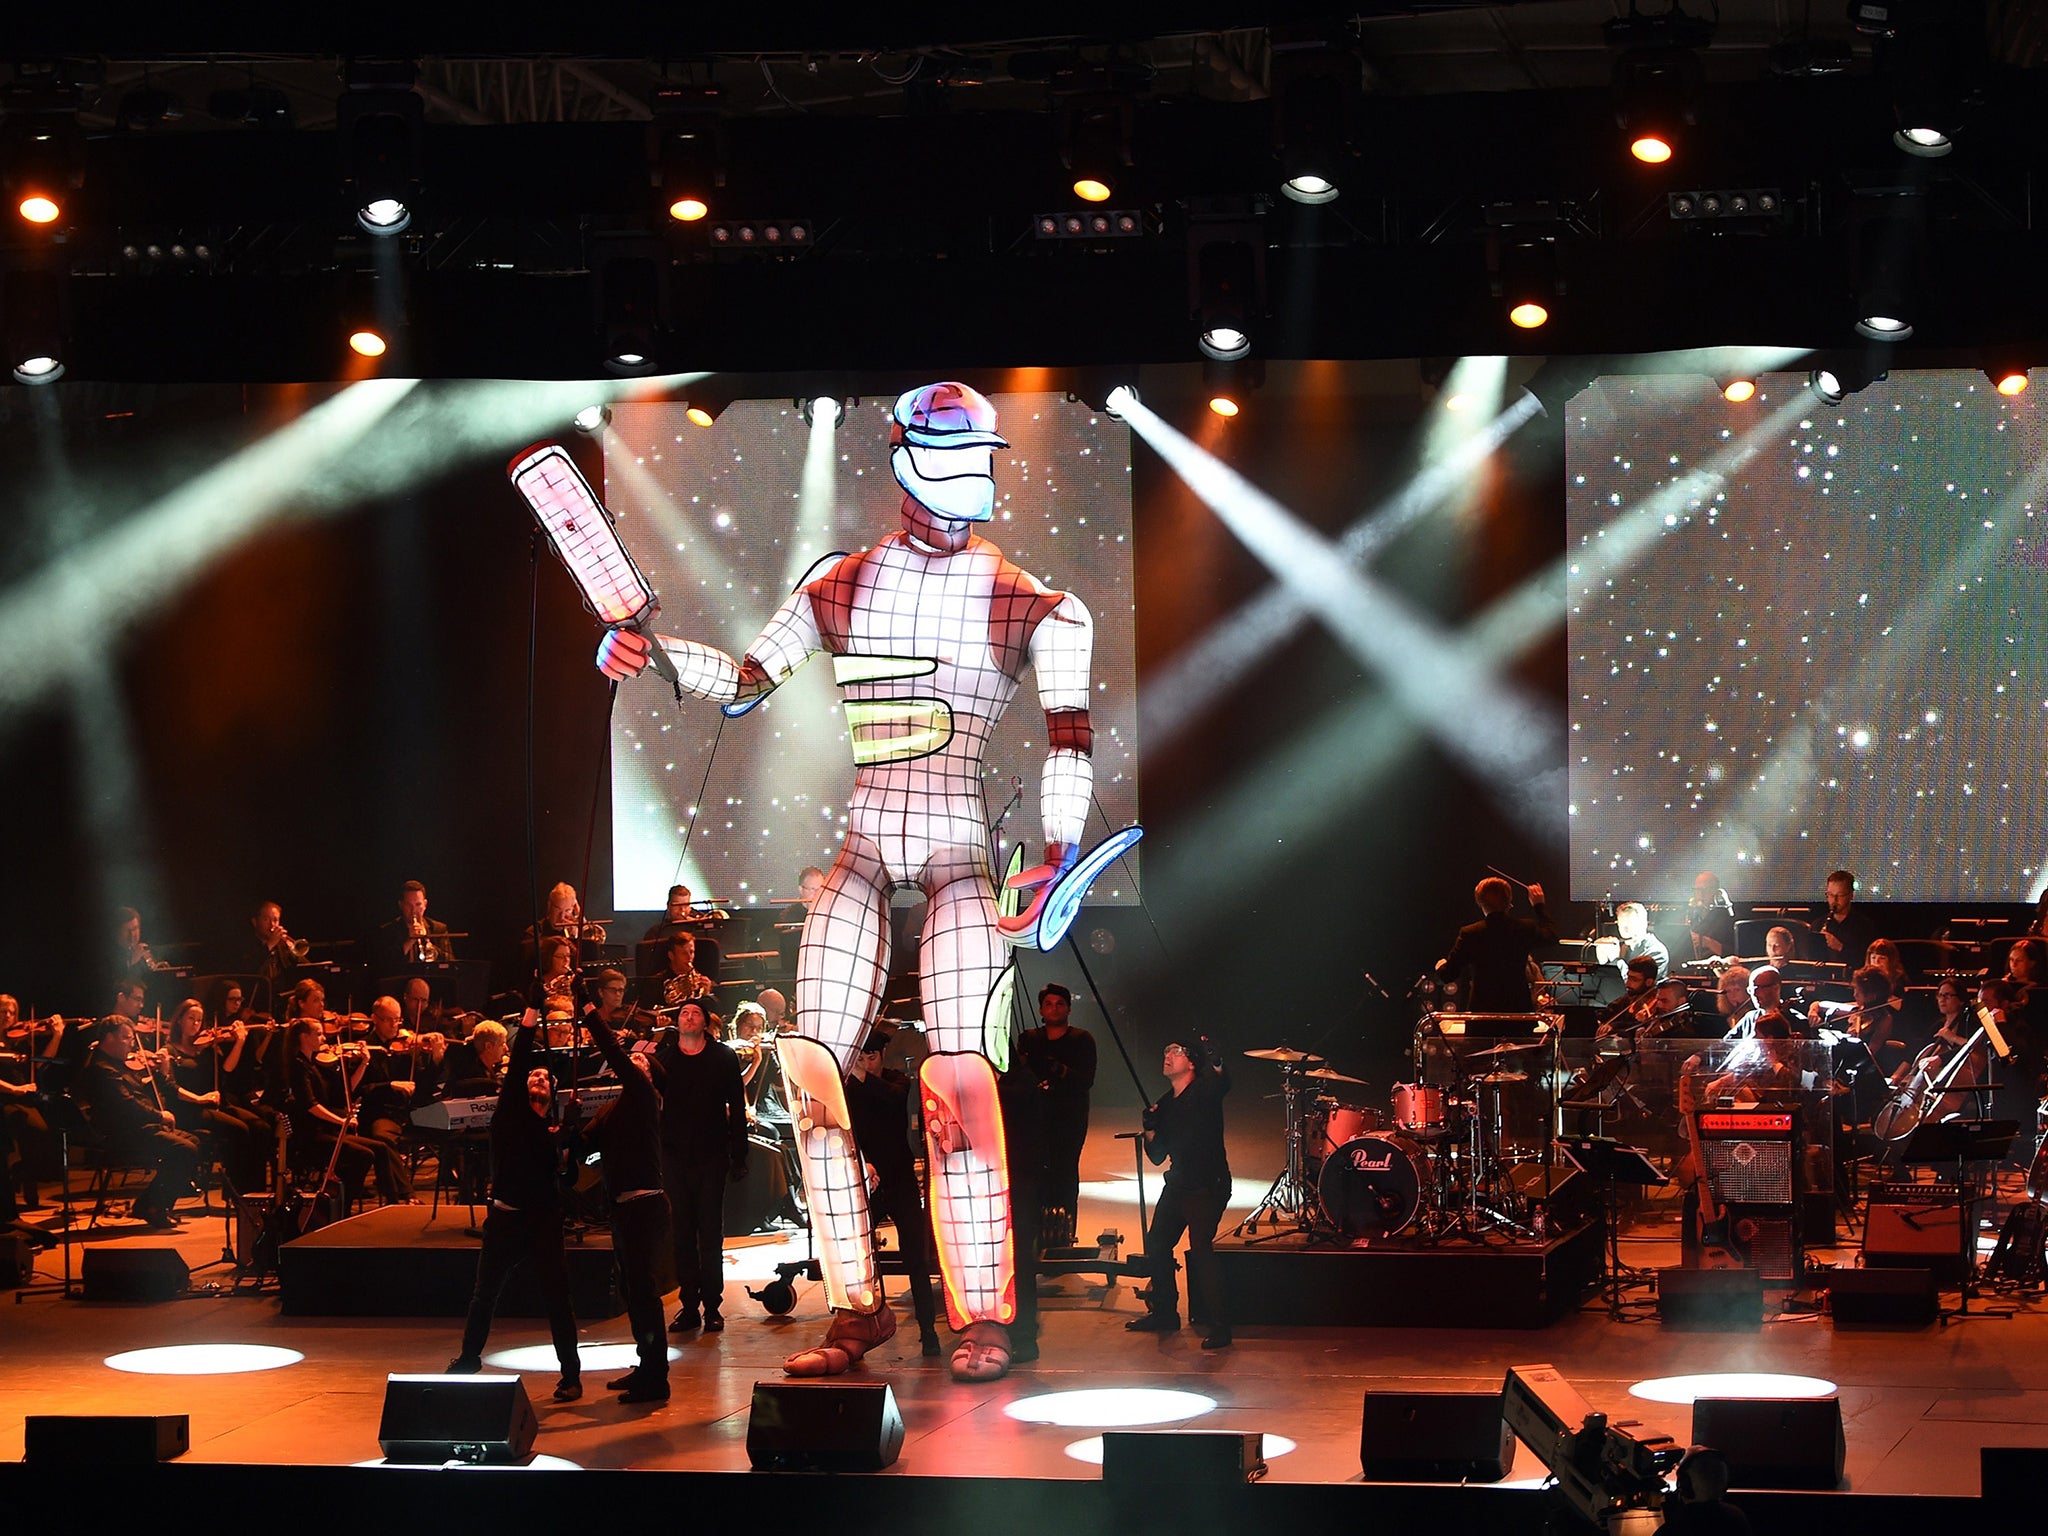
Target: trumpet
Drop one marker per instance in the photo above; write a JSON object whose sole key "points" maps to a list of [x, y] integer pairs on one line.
{"points": [[299, 947], [590, 932], [421, 944]]}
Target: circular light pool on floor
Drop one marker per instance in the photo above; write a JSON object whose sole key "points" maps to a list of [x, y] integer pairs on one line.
{"points": [[1110, 1407], [203, 1359], [1684, 1389]]}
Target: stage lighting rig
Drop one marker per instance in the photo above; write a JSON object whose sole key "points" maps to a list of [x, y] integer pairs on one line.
{"points": [[705, 402], [1726, 205], [1656, 77], [592, 420], [762, 235], [33, 321], [42, 162], [631, 290], [1933, 63], [1314, 83], [824, 410], [1609, 1476], [2008, 375], [686, 151], [379, 123], [1525, 277], [1227, 386], [1094, 225], [1834, 379], [1095, 143], [1226, 280], [1891, 237]]}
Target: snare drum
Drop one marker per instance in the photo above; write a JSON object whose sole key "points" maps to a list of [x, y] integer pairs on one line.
{"points": [[1372, 1185], [1331, 1124], [1418, 1109]]}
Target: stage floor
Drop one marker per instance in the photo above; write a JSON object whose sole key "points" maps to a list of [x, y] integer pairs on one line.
{"points": [[1917, 1404]]}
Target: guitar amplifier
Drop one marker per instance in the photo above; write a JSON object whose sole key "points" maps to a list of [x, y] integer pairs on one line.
{"points": [[1915, 1226], [1749, 1155]]}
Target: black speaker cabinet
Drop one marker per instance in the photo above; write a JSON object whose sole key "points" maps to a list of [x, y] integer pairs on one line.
{"points": [[133, 1274], [104, 1439], [1882, 1298], [2011, 1477], [1710, 1298], [1185, 1458], [1774, 1442], [823, 1426], [432, 1419], [1434, 1437]]}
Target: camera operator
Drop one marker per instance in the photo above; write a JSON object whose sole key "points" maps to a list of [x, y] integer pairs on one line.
{"points": [[1184, 1129]]}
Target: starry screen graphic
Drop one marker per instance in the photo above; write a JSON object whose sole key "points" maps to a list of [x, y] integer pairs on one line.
{"points": [[725, 520], [1807, 637]]}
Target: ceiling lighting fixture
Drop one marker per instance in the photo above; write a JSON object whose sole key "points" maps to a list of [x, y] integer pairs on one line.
{"points": [[1739, 391], [1890, 235], [380, 122], [1226, 267], [366, 342], [1224, 406], [38, 370], [1095, 142], [592, 419], [1315, 82], [1525, 277], [822, 410], [1656, 79], [384, 216]]}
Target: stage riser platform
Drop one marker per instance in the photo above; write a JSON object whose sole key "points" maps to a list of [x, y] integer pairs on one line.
{"points": [[1527, 1285], [393, 1262]]}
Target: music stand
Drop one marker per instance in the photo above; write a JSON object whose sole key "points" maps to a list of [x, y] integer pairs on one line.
{"points": [[1610, 1165], [1962, 1142]]}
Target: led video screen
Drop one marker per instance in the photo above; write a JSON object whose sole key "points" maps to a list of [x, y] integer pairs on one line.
{"points": [[1806, 637]]}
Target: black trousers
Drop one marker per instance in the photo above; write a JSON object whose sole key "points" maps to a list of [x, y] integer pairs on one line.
{"points": [[1198, 1212], [360, 1156], [394, 1171], [901, 1201], [174, 1155], [1066, 1132], [640, 1229], [512, 1238], [241, 1141], [1025, 1205], [696, 1204]]}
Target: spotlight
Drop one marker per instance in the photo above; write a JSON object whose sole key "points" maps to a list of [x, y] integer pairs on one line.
{"points": [[1314, 83], [379, 123], [1656, 78], [33, 322], [40, 209], [822, 410], [1095, 143], [384, 216], [1224, 406], [631, 296], [367, 342], [1118, 400], [2008, 378], [1833, 380], [686, 151], [1226, 276], [1888, 251], [1525, 277], [42, 155], [592, 419], [1934, 65], [698, 416], [1928, 143], [1739, 391], [38, 370]]}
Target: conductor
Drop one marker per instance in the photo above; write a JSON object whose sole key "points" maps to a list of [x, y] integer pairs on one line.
{"points": [[1496, 949]]}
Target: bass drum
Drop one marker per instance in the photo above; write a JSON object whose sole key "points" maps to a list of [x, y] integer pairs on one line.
{"points": [[1372, 1185]]}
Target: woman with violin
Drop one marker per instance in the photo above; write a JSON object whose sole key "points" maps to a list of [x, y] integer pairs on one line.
{"points": [[199, 1062], [320, 1086], [22, 1124]]}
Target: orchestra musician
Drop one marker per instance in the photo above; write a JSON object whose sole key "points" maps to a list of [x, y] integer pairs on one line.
{"points": [[1732, 999], [1844, 931], [564, 920], [1871, 1018], [1957, 1026], [23, 1126], [681, 915], [404, 1072], [1638, 1004], [525, 1222], [557, 977], [2038, 928], [1497, 949], [1710, 918], [2026, 968], [1632, 924], [681, 980], [269, 953], [320, 1088], [124, 1102], [810, 884], [475, 1066], [611, 1011], [1781, 948], [1766, 995], [132, 958], [411, 938], [201, 1062]]}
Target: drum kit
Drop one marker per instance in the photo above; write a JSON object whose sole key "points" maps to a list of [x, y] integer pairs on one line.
{"points": [[1435, 1164]]}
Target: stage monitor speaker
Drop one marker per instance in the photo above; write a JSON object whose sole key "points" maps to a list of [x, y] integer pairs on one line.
{"points": [[477, 1419], [1710, 1298], [823, 1426], [133, 1274], [1882, 1297], [2011, 1478], [1914, 1227], [1564, 1192], [1434, 1437], [100, 1440], [1774, 1442], [1183, 1458]]}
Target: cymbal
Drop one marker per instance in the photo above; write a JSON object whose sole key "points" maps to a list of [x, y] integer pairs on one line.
{"points": [[1283, 1055], [1325, 1075], [1507, 1048], [1503, 1077]]}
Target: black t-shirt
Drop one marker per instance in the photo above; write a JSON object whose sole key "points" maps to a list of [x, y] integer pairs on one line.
{"points": [[628, 1130], [525, 1158], [1497, 950], [879, 1108], [703, 1104], [1065, 1068]]}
